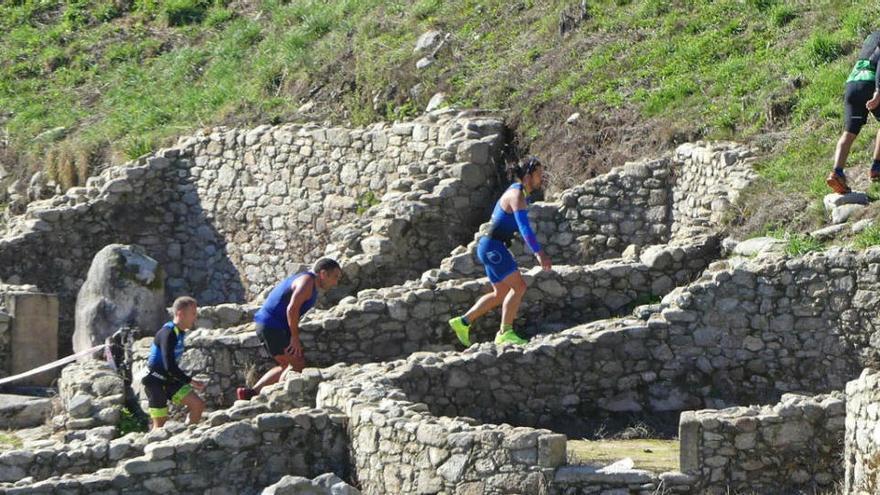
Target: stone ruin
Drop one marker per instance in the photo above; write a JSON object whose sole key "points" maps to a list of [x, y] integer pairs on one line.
{"points": [[756, 361]]}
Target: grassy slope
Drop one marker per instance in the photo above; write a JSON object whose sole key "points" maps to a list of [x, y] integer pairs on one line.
{"points": [[651, 454], [125, 76]]}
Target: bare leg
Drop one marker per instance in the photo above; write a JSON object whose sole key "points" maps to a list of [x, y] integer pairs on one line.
{"points": [[159, 422], [514, 297], [843, 146], [195, 406], [487, 302], [273, 375], [877, 146]]}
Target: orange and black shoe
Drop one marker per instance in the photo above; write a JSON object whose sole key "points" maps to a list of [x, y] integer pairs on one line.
{"points": [[875, 174], [837, 183]]}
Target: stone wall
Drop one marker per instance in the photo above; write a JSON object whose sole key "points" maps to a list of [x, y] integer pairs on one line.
{"points": [[755, 329], [587, 480], [91, 394], [78, 456], [230, 213], [684, 355], [239, 457], [747, 332], [793, 446], [397, 447], [862, 443], [708, 179], [28, 332], [393, 322], [641, 204]]}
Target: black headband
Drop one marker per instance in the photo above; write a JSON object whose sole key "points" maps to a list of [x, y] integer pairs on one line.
{"points": [[530, 165]]}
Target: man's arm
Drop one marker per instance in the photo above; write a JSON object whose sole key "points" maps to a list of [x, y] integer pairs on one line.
{"points": [[166, 349], [302, 291]]}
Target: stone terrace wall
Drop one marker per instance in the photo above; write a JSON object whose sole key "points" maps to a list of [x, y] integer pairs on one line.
{"points": [[229, 213], [795, 445], [398, 448], [759, 328], [75, 457], [393, 322], [91, 394], [240, 457], [368, 394], [744, 333], [708, 179], [862, 444], [641, 203], [588, 480]]}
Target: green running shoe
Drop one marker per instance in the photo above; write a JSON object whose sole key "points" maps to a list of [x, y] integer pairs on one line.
{"points": [[510, 337], [461, 330]]}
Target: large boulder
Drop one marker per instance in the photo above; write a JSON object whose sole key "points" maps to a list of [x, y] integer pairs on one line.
{"points": [[124, 287]]}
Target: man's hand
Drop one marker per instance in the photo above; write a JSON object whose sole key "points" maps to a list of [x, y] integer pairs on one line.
{"points": [[873, 102], [295, 348], [544, 260], [197, 385]]}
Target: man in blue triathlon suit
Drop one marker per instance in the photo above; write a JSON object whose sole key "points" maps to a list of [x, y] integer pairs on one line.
{"points": [[862, 95], [278, 320], [165, 380], [511, 214]]}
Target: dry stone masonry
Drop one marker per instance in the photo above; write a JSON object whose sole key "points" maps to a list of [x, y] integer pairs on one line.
{"points": [[228, 213], [412, 316], [389, 323], [636, 320], [862, 444], [796, 444], [232, 458], [631, 207], [91, 393]]}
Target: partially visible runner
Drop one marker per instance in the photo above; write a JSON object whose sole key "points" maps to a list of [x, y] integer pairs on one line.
{"points": [[277, 321], [165, 380], [862, 95], [511, 213]]}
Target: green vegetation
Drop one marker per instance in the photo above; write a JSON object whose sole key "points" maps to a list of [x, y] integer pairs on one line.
{"points": [[796, 243], [654, 455], [868, 237], [8, 441], [129, 423], [366, 201], [124, 77]]}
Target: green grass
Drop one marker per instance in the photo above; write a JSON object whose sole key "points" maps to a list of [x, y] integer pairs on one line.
{"points": [[868, 237], [796, 244], [8, 441], [799, 244], [654, 455], [128, 423], [366, 201], [124, 80]]}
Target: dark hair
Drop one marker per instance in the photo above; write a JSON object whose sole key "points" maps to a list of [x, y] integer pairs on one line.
{"points": [[325, 264], [183, 302], [527, 166]]}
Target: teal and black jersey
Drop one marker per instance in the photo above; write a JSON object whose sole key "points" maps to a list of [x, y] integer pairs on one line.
{"points": [[866, 66], [165, 354]]}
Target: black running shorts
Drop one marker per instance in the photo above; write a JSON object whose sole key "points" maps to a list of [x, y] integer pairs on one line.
{"points": [[854, 112]]}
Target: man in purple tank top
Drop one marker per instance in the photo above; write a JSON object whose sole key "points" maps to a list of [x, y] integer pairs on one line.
{"points": [[277, 321]]}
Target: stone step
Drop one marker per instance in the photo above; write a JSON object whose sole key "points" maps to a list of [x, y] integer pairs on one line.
{"points": [[22, 411]]}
